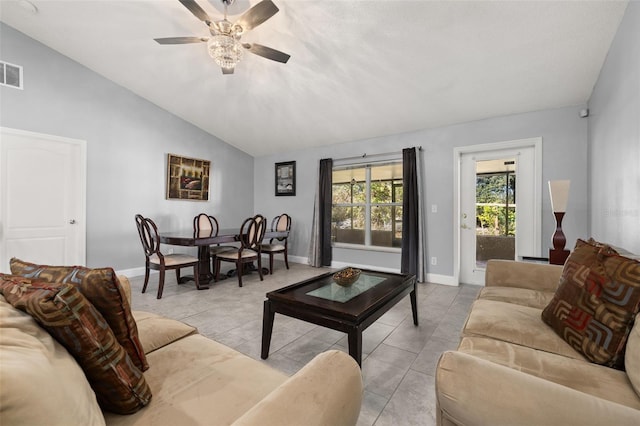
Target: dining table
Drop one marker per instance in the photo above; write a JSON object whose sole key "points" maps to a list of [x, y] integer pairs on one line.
{"points": [[203, 239]]}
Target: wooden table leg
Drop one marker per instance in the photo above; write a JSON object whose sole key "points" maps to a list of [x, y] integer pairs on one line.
{"points": [[414, 305], [267, 327], [204, 266], [355, 344]]}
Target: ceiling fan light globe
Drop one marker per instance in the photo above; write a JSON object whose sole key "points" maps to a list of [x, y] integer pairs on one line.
{"points": [[225, 50]]}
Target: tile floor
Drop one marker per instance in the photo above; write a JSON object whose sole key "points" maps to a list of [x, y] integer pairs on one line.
{"points": [[399, 359]]}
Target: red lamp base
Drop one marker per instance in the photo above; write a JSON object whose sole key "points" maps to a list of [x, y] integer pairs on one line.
{"points": [[558, 257]]}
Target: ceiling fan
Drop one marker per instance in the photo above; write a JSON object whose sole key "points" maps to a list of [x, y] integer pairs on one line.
{"points": [[224, 44]]}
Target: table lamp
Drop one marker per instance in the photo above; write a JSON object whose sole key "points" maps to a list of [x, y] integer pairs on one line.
{"points": [[559, 192]]}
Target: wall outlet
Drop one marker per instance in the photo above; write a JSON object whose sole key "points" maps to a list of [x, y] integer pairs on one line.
{"points": [[434, 208], [434, 260]]}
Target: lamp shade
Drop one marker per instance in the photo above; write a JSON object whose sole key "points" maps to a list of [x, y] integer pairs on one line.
{"points": [[559, 192]]}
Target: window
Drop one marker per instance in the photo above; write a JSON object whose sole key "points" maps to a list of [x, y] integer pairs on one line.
{"points": [[10, 75], [367, 205], [496, 204]]}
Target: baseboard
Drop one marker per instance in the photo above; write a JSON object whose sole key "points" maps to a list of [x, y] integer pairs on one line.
{"points": [[442, 279], [133, 272], [432, 278], [298, 259], [136, 272]]}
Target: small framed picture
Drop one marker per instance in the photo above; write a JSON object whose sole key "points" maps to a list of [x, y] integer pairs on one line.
{"points": [[187, 178], [286, 178]]}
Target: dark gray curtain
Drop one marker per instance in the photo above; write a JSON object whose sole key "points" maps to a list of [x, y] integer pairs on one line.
{"points": [[324, 219], [320, 244], [410, 214]]}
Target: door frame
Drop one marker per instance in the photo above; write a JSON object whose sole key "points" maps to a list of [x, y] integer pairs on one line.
{"points": [[81, 146], [458, 152]]}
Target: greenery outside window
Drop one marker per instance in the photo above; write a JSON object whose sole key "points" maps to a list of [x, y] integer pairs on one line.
{"points": [[367, 205], [496, 204]]}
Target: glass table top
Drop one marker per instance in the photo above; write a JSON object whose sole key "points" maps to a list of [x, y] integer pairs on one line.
{"points": [[337, 293]]}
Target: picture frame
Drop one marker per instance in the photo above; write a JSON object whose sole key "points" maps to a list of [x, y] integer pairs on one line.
{"points": [[187, 178], [285, 182]]}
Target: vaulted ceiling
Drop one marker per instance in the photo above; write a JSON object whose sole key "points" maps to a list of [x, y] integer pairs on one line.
{"points": [[358, 69]]}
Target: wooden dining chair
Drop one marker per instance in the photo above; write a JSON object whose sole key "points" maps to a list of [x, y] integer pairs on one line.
{"points": [[249, 250], [279, 244], [154, 259], [206, 224], [261, 222]]}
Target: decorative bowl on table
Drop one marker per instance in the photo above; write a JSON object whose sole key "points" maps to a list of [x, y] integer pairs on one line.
{"points": [[346, 277]]}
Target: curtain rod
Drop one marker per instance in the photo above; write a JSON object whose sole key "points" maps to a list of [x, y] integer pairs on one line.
{"points": [[365, 155]]}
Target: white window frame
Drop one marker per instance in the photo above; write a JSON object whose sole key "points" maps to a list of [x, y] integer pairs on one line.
{"points": [[367, 208], [4, 75]]}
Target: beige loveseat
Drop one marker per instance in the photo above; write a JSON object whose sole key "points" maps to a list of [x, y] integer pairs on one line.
{"points": [[510, 368], [194, 381]]}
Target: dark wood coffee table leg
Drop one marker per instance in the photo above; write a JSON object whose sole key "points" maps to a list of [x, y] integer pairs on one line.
{"points": [[414, 305], [355, 344], [267, 327]]}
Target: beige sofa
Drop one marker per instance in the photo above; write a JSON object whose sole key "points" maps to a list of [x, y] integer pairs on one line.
{"points": [[194, 381], [510, 368]]}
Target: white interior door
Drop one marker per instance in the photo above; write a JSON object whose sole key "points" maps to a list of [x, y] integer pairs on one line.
{"points": [[526, 154], [42, 210]]}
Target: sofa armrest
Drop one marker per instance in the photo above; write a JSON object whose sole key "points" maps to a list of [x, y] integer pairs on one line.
{"points": [[326, 391], [534, 276], [471, 390]]}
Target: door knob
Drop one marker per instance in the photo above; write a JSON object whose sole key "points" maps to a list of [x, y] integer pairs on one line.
{"points": [[72, 222]]}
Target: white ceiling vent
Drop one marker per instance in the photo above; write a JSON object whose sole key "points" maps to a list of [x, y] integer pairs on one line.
{"points": [[10, 75]]}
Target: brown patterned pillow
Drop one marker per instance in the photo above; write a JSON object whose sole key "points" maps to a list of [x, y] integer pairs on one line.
{"points": [[594, 307], [62, 310], [102, 288]]}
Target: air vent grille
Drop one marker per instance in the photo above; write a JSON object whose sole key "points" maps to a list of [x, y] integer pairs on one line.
{"points": [[10, 75]]}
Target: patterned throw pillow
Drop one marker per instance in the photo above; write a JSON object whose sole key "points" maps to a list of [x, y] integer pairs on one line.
{"points": [[102, 288], [594, 307], [71, 319]]}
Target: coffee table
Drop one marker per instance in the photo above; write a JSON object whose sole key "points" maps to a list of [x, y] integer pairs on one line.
{"points": [[351, 310]]}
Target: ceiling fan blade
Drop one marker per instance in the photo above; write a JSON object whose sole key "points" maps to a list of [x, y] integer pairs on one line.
{"points": [[227, 70], [267, 52], [257, 15], [196, 10], [180, 40]]}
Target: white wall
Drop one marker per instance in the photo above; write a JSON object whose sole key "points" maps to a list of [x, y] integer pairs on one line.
{"points": [[128, 139], [564, 136], [614, 140]]}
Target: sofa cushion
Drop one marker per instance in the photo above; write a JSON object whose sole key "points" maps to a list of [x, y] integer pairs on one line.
{"points": [[516, 324], [70, 318], [596, 302], [102, 288], [33, 362], [473, 391], [519, 296], [196, 380], [597, 380], [156, 331], [632, 356]]}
